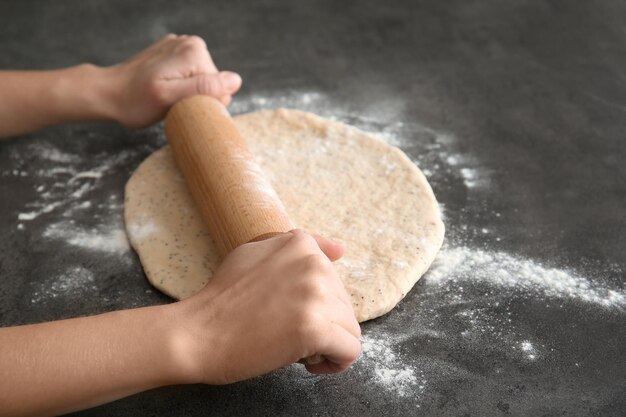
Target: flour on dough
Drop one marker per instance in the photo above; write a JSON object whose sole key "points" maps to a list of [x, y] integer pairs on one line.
{"points": [[333, 179]]}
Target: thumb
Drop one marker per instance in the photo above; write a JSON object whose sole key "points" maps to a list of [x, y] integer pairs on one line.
{"points": [[231, 81], [332, 249], [215, 85]]}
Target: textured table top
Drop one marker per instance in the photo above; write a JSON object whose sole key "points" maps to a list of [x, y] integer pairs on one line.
{"points": [[516, 112]]}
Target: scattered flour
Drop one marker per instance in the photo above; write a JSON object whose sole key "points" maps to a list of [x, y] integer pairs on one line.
{"points": [[96, 239], [529, 350], [457, 266], [63, 182], [140, 231], [455, 263], [450, 309], [75, 280], [434, 152], [470, 177], [31, 215], [65, 189], [50, 153], [463, 296], [305, 100], [73, 205], [390, 371]]}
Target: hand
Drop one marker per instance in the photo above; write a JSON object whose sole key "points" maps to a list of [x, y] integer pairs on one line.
{"points": [[173, 68], [136, 93], [269, 304]]}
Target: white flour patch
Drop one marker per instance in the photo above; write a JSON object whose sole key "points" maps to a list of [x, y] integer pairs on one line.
{"points": [[67, 199], [140, 231], [304, 100], [450, 311], [380, 120], [433, 151], [31, 215], [464, 298], [106, 236], [455, 267], [390, 370], [529, 350], [48, 152], [75, 281], [470, 177], [96, 239], [63, 183]]}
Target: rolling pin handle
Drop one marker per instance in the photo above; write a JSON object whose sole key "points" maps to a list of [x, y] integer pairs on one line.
{"points": [[236, 201]]}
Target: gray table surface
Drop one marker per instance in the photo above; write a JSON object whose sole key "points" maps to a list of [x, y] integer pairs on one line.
{"points": [[516, 111]]}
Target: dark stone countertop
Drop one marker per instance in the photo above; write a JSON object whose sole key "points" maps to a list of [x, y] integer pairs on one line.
{"points": [[516, 111]]}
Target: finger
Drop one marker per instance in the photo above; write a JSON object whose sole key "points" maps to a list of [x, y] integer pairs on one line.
{"points": [[210, 65], [255, 252], [268, 247], [162, 40], [296, 231], [156, 46], [214, 85], [341, 295], [341, 352], [302, 243], [333, 250], [339, 290], [231, 81], [152, 48], [312, 360], [326, 367], [166, 38], [190, 51], [346, 319]]}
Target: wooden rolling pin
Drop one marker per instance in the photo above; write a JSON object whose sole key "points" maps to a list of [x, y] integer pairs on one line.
{"points": [[237, 203]]}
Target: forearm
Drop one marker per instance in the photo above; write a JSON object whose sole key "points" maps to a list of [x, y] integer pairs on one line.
{"points": [[31, 100], [78, 363], [136, 93]]}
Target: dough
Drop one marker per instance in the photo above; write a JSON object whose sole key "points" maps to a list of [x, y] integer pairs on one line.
{"points": [[333, 179]]}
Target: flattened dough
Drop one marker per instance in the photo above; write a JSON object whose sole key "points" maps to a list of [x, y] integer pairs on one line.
{"points": [[333, 179]]}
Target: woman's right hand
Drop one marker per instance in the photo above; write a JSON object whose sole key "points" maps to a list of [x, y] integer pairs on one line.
{"points": [[269, 304]]}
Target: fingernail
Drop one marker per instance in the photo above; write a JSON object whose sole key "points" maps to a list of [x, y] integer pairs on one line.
{"points": [[230, 80]]}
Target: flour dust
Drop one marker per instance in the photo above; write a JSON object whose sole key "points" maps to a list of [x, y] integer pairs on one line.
{"points": [[463, 300], [467, 282], [67, 188]]}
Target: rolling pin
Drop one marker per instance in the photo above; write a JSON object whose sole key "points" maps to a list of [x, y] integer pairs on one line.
{"points": [[236, 201]]}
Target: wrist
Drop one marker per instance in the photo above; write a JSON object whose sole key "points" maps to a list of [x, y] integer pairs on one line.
{"points": [[185, 360], [110, 91], [153, 347], [86, 92]]}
